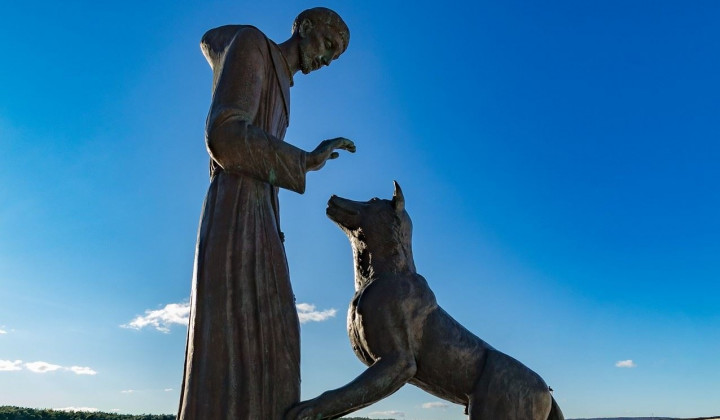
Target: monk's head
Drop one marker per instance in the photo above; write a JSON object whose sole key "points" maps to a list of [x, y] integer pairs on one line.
{"points": [[322, 35]]}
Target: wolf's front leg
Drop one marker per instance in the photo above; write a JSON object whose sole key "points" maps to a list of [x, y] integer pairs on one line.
{"points": [[301, 411], [378, 381]]}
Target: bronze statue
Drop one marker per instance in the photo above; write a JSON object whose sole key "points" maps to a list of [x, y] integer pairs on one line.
{"points": [[397, 328], [243, 352]]}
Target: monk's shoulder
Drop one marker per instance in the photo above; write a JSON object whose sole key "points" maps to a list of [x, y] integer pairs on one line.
{"points": [[251, 35], [242, 36]]}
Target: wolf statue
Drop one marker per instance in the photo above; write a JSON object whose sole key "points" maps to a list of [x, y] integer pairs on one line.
{"points": [[398, 330]]}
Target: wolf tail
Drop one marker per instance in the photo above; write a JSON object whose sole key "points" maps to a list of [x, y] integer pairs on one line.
{"points": [[555, 412]]}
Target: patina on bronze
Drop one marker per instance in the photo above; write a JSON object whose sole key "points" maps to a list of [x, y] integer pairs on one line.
{"points": [[397, 328], [243, 349]]}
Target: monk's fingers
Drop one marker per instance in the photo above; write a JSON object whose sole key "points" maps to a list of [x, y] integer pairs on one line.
{"points": [[346, 144], [342, 143], [351, 147]]}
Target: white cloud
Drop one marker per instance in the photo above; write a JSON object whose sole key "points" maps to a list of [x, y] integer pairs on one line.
{"points": [[2, 331], [179, 314], [84, 409], [307, 313], [9, 365], [145, 391], [42, 367], [162, 319], [625, 364], [436, 404], [81, 370], [391, 413]]}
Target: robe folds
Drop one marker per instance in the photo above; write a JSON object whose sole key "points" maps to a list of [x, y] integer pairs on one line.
{"points": [[243, 348]]}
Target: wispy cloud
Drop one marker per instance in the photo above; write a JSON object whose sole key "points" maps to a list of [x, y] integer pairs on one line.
{"points": [[307, 313], [83, 409], [145, 391], [81, 370], [625, 364], [4, 330], [391, 413], [10, 365], [179, 314], [436, 404], [42, 367], [162, 319]]}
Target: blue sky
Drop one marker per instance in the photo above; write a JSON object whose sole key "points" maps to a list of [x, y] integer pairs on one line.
{"points": [[559, 161]]}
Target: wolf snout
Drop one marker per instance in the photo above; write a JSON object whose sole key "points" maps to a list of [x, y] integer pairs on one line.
{"points": [[343, 205]]}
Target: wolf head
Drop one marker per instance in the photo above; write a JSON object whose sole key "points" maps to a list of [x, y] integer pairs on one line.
{"points": [[379, 229]]}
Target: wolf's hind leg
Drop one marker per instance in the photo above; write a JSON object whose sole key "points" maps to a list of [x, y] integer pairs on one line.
{"points": [[500, 407], [507, 390]]}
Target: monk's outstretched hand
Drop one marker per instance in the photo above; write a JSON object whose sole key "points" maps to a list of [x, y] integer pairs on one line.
{"points": [[326, 150]]}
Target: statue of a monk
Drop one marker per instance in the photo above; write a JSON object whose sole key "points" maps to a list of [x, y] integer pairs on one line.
{"points": [[243, 347]]}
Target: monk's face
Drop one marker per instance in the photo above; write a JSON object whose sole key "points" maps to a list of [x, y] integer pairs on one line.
{"points": [[319, 46]]}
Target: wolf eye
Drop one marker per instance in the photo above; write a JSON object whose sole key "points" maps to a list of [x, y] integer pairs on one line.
{"points": [[328, 44]]}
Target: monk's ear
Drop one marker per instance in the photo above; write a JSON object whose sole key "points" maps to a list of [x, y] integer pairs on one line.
{"points": [[305, 28], [398, 200]]}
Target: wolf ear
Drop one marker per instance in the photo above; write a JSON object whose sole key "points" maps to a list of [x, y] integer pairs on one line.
{"points": [[398, 200]]}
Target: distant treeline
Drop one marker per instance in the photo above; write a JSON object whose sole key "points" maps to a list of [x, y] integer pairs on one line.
{"points": [[632, 418], [19, 413], [649, 418]]}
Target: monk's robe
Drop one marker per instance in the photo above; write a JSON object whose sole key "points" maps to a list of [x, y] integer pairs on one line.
{"points": [[243, 348]]}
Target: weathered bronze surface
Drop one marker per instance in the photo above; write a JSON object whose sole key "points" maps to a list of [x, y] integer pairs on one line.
{"points": [[397, 328], [243, 351]]}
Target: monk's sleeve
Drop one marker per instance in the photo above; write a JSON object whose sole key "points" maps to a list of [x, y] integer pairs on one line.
{"points": [[232, 140]]}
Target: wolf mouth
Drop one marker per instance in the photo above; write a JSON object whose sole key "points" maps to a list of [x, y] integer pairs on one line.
{"points": [[337, 205]]}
